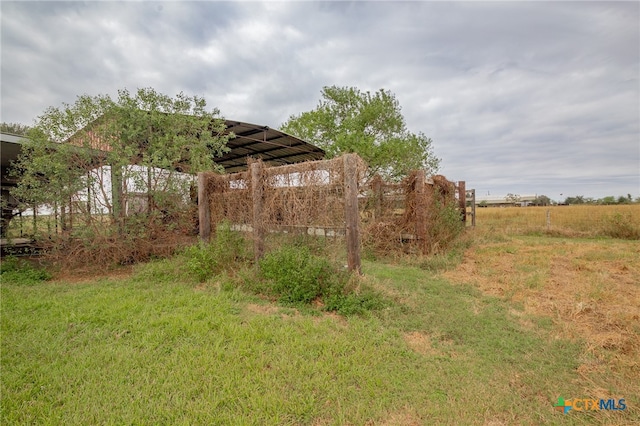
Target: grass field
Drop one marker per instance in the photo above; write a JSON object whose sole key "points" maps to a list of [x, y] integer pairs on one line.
{"points": [[490, 334], [621, 221]]}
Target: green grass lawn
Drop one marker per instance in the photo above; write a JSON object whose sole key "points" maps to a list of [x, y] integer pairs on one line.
{"points": [[158, 348]]}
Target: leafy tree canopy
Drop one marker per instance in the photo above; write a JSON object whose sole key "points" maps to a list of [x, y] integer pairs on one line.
{"points": [[147, 129], [369, 124], [14, 128], [542, 200]]}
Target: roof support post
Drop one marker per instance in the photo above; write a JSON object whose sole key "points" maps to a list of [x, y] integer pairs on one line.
{"points": [[204, 208], [351, 212], [257, 195], [116, 195]]}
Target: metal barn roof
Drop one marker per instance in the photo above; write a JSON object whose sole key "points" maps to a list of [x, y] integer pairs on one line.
{"points": [[10, 148], [270, 145], [251, 140]]}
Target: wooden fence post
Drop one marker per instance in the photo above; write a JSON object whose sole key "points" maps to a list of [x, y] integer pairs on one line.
{"points": [[422, 211], [352, 214], [473, 207], [257, 194], [462, 200], [376, 186], [204, 209]]}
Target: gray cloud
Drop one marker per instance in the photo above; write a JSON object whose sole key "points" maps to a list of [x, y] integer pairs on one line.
{"points": [[518, 97]]}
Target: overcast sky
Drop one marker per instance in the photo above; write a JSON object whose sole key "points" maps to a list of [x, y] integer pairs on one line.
{"points": [[518, 97]]}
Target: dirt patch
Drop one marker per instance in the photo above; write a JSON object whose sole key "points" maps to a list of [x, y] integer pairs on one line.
{"points": [[420, 343], [401, 418], [424, 344], [262, 309]]}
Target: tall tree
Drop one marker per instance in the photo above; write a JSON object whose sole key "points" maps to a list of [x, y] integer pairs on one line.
{"points": [[369, 124], [14, 128], [146, 139], [542, 200]]}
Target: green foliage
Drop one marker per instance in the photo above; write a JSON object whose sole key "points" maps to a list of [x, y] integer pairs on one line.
{"points": [[150, 130], [296, 275], [224, 253], [18, 271], [202, 356], [14, 128], [446, 226], [578, 199], [144, 146], [371, 125], [354, 302], [542, 200], [169, 270], [620, 225], [608, 200]]}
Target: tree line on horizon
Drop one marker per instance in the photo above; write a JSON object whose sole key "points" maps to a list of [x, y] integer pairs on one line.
{"points": [[543, 200], [608, 200]]}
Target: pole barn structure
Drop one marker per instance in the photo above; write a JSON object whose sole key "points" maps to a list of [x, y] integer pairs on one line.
{"points": [[251, 141]]}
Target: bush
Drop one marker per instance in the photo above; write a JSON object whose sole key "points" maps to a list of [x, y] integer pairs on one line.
{"points": [[354, 302], [17, 271], [621, 226], [297, 276], [446, 226], [227, 249]]}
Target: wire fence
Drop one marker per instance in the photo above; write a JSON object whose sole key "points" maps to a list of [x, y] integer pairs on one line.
{"points": [[618, 221]]}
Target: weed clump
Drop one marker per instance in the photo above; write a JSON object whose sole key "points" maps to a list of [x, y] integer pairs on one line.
{"points": [[17, 271], [297, 277], [447, 226], [621, 226], [223, 253]]}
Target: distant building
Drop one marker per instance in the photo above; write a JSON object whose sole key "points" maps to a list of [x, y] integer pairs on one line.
{"points": [[493, 201]]}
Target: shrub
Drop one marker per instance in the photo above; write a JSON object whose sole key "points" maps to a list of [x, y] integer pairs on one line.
{"points": [[223, 253], [621, 226], [446, 225], [296, 275], [354, 302], [17, 271]]}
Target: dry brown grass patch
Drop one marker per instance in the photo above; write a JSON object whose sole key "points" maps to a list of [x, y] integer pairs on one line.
{"points": [[420, 343], [591, 290], [262, 309], [405, 417]]}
